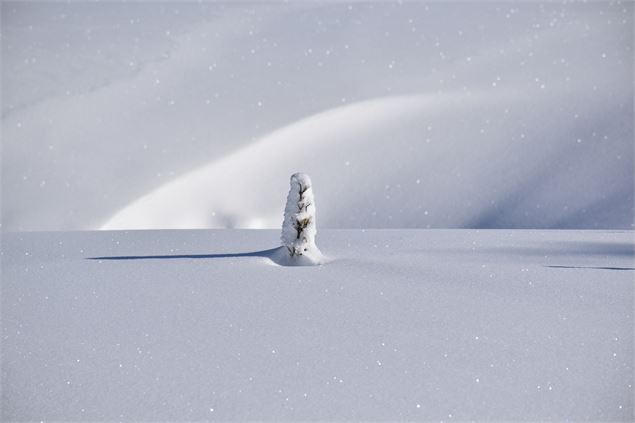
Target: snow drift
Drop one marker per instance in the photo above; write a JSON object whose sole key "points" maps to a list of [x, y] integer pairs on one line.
{"points": [[405, 114]]}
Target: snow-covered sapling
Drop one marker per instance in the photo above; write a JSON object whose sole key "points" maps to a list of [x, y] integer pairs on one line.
{"points": [[298, 228]]}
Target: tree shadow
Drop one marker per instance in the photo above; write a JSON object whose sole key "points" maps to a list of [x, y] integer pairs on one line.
{"points": [[279, 256], [264, 253], [564, 248], [591, 267]]}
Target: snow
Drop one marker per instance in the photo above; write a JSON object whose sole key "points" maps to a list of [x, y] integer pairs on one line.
{"points": [[407, 115], [408, 325], [483, 103], [498, 179]]}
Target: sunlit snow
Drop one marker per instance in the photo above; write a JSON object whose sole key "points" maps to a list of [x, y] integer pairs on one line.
{"points": [[407, 325], [406, 114]]}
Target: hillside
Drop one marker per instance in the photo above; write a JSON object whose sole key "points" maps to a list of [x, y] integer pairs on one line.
{"points": [[406, 114]]}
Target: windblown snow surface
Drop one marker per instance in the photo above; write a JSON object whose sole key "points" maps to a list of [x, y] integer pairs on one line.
{"points": [[401, 325], [123, 115]]}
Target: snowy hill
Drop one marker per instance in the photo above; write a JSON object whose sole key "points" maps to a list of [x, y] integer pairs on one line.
{"points": [[406, 114], [401, 325]]}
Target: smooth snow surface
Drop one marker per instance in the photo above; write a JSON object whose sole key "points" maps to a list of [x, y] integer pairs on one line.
{"points": [[408, 325], [405, 114]]}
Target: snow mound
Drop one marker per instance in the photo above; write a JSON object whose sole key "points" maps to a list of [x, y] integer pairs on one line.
{"points": [[311, 257]]}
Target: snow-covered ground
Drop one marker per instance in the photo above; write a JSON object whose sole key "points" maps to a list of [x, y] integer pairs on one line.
{"points": [[401, 325], [405, 114], [180, 115]]}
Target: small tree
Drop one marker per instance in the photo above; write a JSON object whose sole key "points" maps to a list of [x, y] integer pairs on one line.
{"points": [[298, 228]]}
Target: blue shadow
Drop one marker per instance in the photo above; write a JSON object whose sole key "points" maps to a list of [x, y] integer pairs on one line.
{"points": [[263, 253], [592, 267]]}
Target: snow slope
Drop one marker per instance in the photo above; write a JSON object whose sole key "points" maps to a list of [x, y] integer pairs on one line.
{"points": [[402, 325], [406, 114], [380, 163]]}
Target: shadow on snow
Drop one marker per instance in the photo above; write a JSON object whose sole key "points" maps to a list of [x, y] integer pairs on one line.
{"points": [[278, 256], [591, 267], [264, 253]]}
